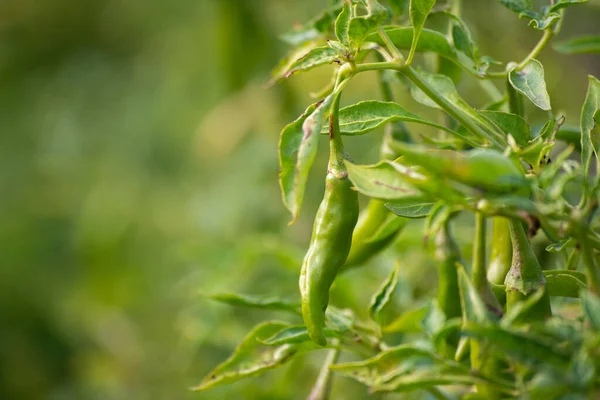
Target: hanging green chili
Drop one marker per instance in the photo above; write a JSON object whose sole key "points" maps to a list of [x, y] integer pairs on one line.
{"points": [[331, 237], [448, 254], [501, 254], [478, 272]]}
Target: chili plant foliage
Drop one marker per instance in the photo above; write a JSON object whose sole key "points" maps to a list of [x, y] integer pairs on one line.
{"points": [[494, 330]]}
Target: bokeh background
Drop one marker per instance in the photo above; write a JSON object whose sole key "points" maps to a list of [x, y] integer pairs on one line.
{"points": [[138, 173]]}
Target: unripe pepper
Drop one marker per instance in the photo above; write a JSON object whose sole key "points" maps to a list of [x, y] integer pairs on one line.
{"points": [[331, 236], [448, 254], [525, 276], [501, 254]]}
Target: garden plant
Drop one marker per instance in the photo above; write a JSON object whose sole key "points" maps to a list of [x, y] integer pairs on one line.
{"points": [[503, 325]]}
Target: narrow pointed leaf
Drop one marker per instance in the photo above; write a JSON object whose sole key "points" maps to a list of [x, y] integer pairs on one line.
{"points": [[523, 347], [419, 10], [563, 285], [383, 296], [510, 124], [365, 116], [342, 23], [429, 378], [409, 322], [413, 211], [530, 82], [517, 6], [267, 303], [381, 181], [250, 358], [386, 365], [562, 4], [361, 26], [314, 58], [580, 45], [297, 151], [293, 335]]}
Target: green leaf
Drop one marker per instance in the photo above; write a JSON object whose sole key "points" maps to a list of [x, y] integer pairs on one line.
{"points": [[428, 378], [559, 246], [360, 27], [382, 297], [419, 10], [386, 365], [297, 151], [524, 347], [342, 24], [563, 285], [561, 4], [540, 21], [292, 335], [250, 358], [413, 211], [278, 73], [445, 87], [381, 181], [314, 58], [580, 45], [267, 303], [590, 302], [530, 82], [510, 124], [473, 307], [590, 143], [409, 322], [517, 6], [484, 169], [365, 116]]}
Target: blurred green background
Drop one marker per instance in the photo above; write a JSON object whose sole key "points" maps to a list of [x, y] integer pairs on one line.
{"points": [[138, 172]]}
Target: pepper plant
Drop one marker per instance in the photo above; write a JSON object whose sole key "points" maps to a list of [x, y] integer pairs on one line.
{"points": [[495, 328]]}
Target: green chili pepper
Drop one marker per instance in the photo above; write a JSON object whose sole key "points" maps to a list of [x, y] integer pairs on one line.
{"points": [[478, 272], [484, 169], [365, 241], [501, 254], [525, 276], [448, 255], [331, 236]]}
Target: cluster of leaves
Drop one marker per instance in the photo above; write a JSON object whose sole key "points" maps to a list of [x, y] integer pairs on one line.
{"points": [[487, 161]]}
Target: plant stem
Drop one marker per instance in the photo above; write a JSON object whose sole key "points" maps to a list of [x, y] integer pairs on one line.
{"points": [[458, 114], [390, 45], [336, 146], [322, 388], [536, 50]]}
